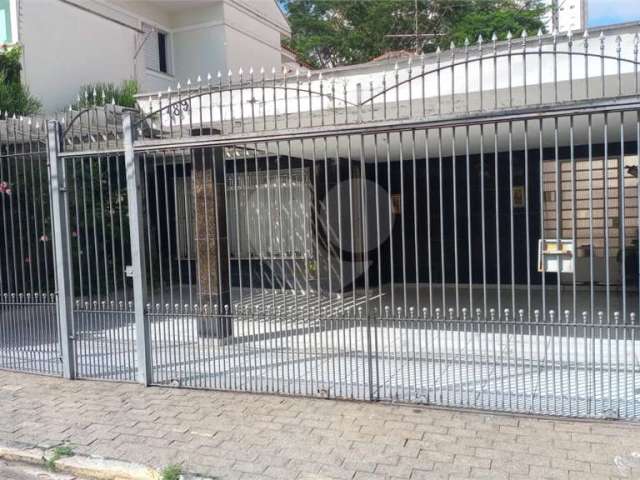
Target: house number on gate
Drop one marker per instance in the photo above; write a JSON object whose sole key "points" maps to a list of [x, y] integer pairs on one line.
{"points": [[181, 107]]}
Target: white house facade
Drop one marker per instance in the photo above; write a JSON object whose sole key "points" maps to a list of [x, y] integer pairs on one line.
{"points": [[69, 43]]}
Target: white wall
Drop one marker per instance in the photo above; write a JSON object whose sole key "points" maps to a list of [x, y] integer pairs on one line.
{"points": [[252, 40], [199, 51], [65, 47], [198, 42]]}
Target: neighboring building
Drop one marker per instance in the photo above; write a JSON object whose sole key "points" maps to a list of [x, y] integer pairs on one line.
{"points": [[566, 15], [69, 43]]}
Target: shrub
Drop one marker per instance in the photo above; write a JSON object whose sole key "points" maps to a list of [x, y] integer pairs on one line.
{"points": [[15, 98], [98, 94], [171, 472]]}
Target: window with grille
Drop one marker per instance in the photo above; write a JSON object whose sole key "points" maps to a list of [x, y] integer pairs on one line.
{"points": [[269, 215]]}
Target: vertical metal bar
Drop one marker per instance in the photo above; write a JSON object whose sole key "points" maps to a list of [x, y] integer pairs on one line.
{"points": [[454, 182], [62, 249], [527, 219], [469, 244], [136, 233], [427, 166], [497, 218], [483, 227], [511, 225]]}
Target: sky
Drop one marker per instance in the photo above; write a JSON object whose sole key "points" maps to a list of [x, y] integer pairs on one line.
{"points": [[606, 12]]}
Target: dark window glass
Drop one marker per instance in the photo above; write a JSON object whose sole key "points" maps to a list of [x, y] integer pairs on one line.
{"points": [[162, 51]]}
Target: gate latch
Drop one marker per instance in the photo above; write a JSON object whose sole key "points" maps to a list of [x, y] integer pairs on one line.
{"points": [[128, 271]]}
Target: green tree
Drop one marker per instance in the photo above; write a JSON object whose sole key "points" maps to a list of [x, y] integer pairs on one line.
{"points": [[329, 33], [15, 98]]}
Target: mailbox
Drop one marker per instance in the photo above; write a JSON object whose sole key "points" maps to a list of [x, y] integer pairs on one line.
{"points": [[556, 256]]}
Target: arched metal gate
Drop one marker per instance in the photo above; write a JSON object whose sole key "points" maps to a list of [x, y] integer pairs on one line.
{"points": [[459, 230]]}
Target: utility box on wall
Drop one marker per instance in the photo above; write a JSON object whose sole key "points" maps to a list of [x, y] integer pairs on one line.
{"points": [[556, 256]]}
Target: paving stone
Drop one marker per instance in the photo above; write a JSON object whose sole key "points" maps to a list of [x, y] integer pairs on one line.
{"points": [[234, 436]]}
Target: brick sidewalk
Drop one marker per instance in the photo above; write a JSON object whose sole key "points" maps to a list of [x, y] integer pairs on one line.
{"points": [[230, 436]]}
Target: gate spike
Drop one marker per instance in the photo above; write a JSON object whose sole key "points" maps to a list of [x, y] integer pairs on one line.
{"points": [[584, 317], [437, 313], [521, 314], [567, 315], [480, 40], [552, 315], [478, 314]]}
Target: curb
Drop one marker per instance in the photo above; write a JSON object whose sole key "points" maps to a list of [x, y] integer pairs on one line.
{"points": [[97, 468]]}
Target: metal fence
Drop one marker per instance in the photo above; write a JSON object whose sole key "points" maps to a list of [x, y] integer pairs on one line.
{"points": [[466, 235]]}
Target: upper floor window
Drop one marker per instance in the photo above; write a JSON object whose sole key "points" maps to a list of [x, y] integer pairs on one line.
{"points": [[7, 35], [156, 50]]}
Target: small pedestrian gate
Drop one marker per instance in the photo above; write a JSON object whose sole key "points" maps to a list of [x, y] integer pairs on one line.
{"points": [[461, 231]]}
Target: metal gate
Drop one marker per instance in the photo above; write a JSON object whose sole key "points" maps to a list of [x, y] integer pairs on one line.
{"points": [[29, 334], [462, 230], [403, 265]]}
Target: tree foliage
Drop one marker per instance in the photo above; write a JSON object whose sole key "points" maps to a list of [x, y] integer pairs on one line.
{"points": [[15, 98], [329, 33]]}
